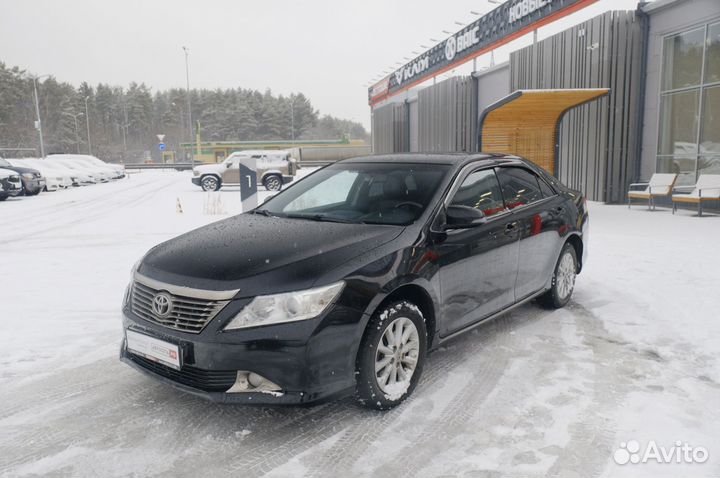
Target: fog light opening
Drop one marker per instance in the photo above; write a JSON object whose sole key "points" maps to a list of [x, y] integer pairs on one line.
{"points": [[246, 382]]}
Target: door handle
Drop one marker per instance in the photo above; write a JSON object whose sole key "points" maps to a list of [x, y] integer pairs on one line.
{"points": [[510, 227]]}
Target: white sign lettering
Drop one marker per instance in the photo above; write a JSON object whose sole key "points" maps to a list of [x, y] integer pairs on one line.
{"points": [[411, 70], [524, 8], [462, 41]]}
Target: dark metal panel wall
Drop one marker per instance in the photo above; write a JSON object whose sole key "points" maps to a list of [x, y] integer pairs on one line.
{"points": [[382, 129], [447, 116], [598, 141], [390, 130]]}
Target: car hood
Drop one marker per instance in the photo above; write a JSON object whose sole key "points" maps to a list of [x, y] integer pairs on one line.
{"points": [[21, 170], [208, 168], [260, 255], [6, 173]]}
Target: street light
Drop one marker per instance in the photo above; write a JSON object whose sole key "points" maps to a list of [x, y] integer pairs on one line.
{"points": [[38, 122], [292, 119], [74, 116], [87, 123], [187, 79]]}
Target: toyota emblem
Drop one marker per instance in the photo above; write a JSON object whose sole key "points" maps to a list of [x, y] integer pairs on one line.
{"points": [[162, 304]]}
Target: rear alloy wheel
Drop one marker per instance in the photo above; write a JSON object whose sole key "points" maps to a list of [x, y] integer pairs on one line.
{"points": [[210, 183], [273, 182], [563, 281], [391, 357]]}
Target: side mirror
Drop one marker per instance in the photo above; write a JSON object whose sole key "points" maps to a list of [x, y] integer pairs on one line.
{"points": [[464, 217]]}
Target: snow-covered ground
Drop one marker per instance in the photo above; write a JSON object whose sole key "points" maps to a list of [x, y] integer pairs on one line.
{"points": [[534, 393]]}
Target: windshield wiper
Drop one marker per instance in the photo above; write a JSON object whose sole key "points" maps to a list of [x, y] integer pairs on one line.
{"points": [[264, 212], [323, 218]]}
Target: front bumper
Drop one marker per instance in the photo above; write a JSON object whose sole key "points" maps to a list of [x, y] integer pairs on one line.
{"points": [[33, 185], [287, 178], [196, 180], [311, 361]]}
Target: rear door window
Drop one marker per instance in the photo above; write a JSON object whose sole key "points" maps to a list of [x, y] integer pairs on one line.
{"points": [[519, 187]]}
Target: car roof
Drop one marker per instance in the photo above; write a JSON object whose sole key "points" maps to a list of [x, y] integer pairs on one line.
{"points": [[457, 159]]}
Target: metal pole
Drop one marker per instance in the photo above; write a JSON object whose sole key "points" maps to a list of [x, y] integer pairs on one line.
{"points": [[87, 123], [124, 130], [77, 135], [189, 107], [39, 122], [292, 121]]}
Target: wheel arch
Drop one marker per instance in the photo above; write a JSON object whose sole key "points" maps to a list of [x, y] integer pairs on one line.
{"points": [[418, 295], [270, 172], [576, 241]]}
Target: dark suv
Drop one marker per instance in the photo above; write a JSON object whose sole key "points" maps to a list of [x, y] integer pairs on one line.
{"points": [[344, 281], [32, 180]]}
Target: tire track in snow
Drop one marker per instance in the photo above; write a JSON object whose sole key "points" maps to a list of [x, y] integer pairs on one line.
{"points": [[85, 211], [366, 433]]}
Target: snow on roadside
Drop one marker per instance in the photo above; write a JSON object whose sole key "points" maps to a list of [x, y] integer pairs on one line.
{"points": [[537, 393]]}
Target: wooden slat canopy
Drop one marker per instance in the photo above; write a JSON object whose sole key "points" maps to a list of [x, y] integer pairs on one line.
{"points": [[525, 123]]}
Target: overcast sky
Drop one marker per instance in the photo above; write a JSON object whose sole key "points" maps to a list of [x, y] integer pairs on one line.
{"points": [[327, 49]]}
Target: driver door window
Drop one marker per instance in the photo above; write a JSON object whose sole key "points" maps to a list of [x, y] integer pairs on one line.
{"points": [[480, 190]]}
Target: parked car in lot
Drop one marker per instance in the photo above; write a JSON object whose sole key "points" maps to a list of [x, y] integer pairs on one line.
{"points": [[83, 173], [32, 181], [342, 283], [55, 178], [114, 171], [10, 184], [274, 168]]}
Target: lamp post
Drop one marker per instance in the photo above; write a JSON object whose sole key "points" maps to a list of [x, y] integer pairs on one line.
{"points": [[292, 121], [74, 116], [87, 124], [189, 107], [38, 122]]}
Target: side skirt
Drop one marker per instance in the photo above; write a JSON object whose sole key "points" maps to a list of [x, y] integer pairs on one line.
{"points": [[492, 316]]}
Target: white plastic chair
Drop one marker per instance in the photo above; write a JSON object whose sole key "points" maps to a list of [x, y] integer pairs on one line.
{"points": [[706, 189], [660, 185]]}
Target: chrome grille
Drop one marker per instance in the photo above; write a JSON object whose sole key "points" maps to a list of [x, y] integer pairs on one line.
{"points": [[187, 314]]}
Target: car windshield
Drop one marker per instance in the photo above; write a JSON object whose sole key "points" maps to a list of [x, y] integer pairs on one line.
{"points": [[372, 193]]}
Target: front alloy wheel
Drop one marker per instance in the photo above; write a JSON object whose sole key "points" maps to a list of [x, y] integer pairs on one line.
{"points": [[391, 355], [210, 183]]}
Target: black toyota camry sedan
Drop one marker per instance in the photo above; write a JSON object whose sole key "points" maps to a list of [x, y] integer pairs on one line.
{"points": [[343, 282]]}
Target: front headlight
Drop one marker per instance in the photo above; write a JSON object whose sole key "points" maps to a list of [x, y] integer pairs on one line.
{"points": [[27, 175], [128, 289], [286, 307]]}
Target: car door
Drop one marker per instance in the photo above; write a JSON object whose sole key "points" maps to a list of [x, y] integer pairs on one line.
{"points": [[538, 212], [477, 266], [231, 175]]}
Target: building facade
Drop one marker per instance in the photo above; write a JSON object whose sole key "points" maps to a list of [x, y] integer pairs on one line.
{"points": [[661, 63]]}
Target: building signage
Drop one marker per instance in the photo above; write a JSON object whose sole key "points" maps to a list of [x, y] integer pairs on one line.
{"points": [[524, 8], [501, 25]]}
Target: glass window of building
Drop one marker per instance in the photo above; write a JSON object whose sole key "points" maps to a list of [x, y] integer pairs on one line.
{"points": [[689, 128]]}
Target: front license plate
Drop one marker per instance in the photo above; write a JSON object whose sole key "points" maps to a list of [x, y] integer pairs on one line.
{"points": [[154, 349]]}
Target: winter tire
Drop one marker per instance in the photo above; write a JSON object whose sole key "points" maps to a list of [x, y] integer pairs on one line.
{"points": [[210, 183], [563, 280], [273, 182], [392, 355]]}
